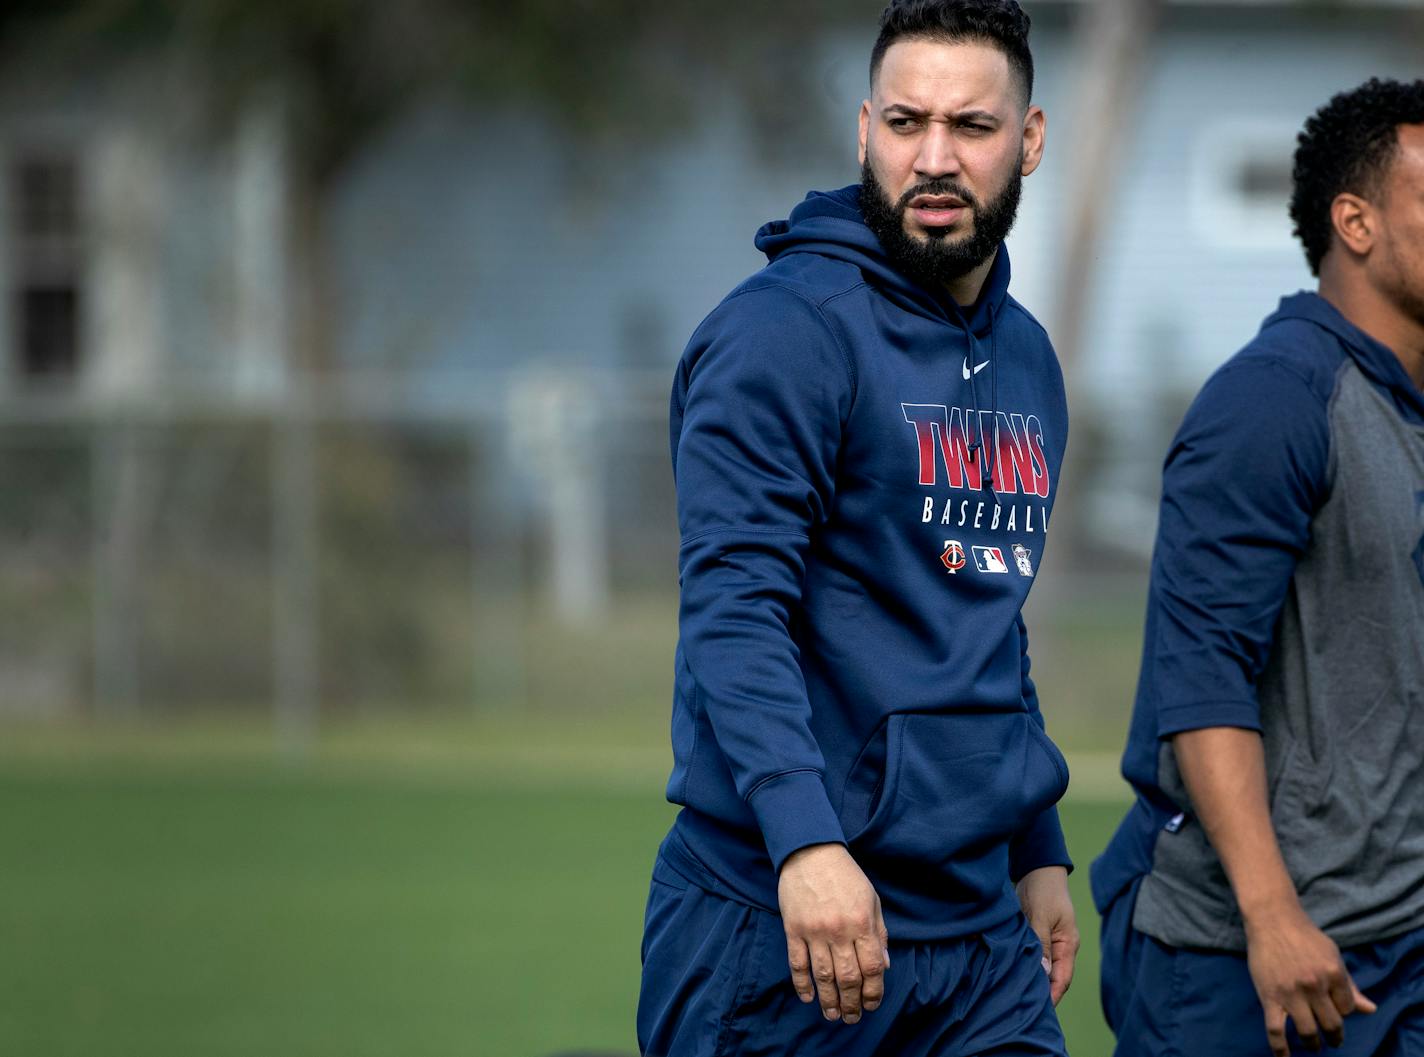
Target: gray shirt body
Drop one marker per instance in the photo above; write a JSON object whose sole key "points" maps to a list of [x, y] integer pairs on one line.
{"points": [[1341, 690]]}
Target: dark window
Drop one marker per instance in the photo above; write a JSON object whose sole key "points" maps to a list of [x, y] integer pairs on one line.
{"points": [[45, 221], [49, 330]]}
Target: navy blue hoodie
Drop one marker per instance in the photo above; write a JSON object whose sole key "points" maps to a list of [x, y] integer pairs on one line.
{"points": [[865, 478]]}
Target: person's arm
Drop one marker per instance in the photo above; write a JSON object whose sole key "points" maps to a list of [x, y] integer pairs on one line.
{"points": [[764, 392], [1296, 968], [1039, 866], [1246, 474]]}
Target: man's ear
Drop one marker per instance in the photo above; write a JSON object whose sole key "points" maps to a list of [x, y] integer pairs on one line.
{"points": [[864, 128], [1356, 223], [1035, 129]]}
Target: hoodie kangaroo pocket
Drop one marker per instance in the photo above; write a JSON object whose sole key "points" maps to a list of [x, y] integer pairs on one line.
{"points": [[956, 787]]}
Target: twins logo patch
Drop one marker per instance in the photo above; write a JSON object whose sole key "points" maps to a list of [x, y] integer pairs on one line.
{"points": [[1023, 558], [953, 556], [990, 560]]}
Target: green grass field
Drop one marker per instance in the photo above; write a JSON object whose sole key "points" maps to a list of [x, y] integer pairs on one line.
{"points": [[447, 896]]}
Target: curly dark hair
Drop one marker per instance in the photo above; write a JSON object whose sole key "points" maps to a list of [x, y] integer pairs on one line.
{"points": [[1001, 23], [1347, 147]]}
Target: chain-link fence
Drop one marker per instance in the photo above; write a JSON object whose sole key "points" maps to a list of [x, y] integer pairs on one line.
{"points": [[499, 543]]}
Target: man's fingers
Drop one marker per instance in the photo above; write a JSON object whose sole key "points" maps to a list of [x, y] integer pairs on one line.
{"points": [[882, 932], [1362, 1004], [848, 980], [799, 958], [1327, 1018], [1342, 993], [1305, 1025], [1276, 1030], [870, 953], [1060, 974], [823, 972]]}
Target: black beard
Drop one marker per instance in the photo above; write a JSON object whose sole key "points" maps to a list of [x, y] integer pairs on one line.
{"points": [[936, 259]]}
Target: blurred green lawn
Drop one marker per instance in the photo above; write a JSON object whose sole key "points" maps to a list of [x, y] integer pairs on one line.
{"points": [[393, 894]]}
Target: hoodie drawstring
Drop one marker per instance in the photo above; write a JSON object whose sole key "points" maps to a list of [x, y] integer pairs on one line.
{"points": [[976, 445]]}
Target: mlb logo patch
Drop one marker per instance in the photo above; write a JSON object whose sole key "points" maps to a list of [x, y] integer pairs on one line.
{"points": [[990, 560]]}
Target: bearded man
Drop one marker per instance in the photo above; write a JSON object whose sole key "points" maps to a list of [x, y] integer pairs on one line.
{"points": [[866, 439]]}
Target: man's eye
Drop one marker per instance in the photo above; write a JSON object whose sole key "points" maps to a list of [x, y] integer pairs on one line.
{"points": [[901, 123]]}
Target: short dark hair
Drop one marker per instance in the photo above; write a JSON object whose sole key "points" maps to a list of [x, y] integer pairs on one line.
{"points": [[1346, 148], [1001, 23]]}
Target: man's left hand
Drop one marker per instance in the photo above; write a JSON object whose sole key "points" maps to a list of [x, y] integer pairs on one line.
{"points": [[1043, 894]]}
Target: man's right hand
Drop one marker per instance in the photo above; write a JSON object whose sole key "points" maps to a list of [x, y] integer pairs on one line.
{"points": [[1298, 973], [1296, 968], [835, 936]]}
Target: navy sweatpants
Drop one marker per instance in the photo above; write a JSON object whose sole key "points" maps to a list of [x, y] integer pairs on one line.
{"points": [[1165, 1001], [716, 984]]}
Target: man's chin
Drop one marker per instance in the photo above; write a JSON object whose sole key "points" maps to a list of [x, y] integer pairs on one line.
{"points": [[948, 235]]}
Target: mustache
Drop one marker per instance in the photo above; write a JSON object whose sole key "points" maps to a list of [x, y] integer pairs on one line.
{"points": [[940, 189]]}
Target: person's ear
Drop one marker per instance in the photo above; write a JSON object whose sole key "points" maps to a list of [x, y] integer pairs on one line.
{"points": [[1355, 222], [1034, 131], [864, 128]]}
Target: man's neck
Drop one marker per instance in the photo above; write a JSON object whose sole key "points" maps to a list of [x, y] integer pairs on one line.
{"points": [[966, 289], [1380, 318]]}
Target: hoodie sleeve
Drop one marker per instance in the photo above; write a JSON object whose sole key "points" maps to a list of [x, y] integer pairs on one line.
{"points": [[1242, 483], [1040, 843], [763, 392]]}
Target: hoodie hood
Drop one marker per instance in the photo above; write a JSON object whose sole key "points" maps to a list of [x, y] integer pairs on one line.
{"points": [[830, 223], [1375, 359]]}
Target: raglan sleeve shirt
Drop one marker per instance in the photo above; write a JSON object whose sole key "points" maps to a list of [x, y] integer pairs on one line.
{"points": [[1243, 480], [764, 393]]}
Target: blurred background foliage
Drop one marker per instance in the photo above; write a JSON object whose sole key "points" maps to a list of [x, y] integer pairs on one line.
{"points": [[600, 69]]}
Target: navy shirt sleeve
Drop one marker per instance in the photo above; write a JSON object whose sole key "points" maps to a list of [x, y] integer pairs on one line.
{"points": [[1040, 843], [763, 396], [1242, 482]]}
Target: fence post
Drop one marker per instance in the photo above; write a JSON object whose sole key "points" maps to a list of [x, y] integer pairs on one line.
{"points": [[295, 574], [121, 501]]}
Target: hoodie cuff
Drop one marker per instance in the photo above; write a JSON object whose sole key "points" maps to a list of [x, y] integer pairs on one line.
{"points": [[794, 812], [1040, 845]]}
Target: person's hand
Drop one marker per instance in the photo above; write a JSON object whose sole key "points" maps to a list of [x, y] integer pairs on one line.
{"points": [[835, 936], [1043, 894], [1298, 974]]}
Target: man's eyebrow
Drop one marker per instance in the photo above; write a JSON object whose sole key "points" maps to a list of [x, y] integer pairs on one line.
{"points": [[904, 110]]}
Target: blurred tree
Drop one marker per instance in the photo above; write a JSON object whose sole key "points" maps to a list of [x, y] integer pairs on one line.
{"points": [[617, 72], [598, 67]]}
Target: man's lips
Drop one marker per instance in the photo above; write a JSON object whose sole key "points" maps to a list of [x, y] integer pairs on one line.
{"points": [[937, 212], [936, 202]]}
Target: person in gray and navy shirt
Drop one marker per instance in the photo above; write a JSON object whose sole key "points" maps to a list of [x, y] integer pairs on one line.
{"points": [[1265, 894]]}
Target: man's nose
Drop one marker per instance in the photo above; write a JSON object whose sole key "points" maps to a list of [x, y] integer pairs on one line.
{"points": [[938, 157]]}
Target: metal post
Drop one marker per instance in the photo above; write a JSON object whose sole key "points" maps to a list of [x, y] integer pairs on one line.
{"points": [[121, 498], [498, 596], [295, 581]]}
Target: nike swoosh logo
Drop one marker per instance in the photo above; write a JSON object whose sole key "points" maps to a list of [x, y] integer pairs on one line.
{"points": [[977, 368]]}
